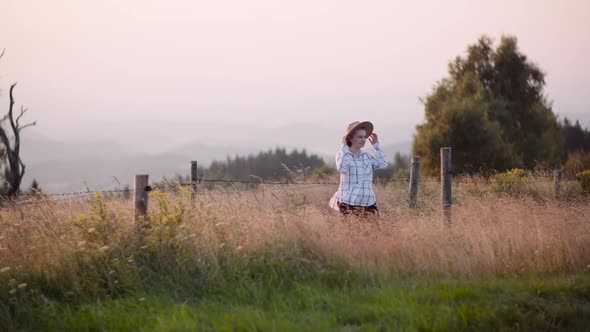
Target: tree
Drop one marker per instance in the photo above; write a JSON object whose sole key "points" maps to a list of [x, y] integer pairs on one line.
{"points": [[14, 168], [399, 168], [491, 111], [575, 138], [35, 189], [35, 186]]}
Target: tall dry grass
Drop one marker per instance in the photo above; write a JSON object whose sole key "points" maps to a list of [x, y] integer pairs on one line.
{"points": [[82, 243]]}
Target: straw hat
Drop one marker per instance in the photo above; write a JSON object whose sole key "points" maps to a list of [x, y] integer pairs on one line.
{"points": [[351, 128]]}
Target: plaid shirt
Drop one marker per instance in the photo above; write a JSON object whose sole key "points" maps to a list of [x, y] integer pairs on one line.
{"points": [[356, 176]]}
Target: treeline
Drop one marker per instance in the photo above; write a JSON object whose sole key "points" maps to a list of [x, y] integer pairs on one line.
{"points": [[575, 138], [280, 165], [576, 146], [270, 165], [277, 164]]}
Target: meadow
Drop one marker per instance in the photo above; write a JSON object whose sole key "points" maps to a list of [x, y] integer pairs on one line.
{"points": [[277, 258]]}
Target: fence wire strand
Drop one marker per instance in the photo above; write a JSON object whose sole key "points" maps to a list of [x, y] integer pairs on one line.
{"points": [[41, 198]]}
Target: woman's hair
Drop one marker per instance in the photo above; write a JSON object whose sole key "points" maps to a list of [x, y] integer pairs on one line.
{"points": [[348, 141]]}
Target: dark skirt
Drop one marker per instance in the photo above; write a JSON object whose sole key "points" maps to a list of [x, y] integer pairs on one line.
{"points": [[358, 210]]}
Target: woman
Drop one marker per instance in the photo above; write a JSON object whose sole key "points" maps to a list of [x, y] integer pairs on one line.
{"points": [[355, 194]]}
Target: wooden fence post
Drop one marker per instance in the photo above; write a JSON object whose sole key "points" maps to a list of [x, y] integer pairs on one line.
{"points": [[557, 183], [140, 194], [414, 180], [445, 179], [194, 178]]}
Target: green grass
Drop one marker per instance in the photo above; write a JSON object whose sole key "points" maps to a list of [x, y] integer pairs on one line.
{"points": [[259, 304]]}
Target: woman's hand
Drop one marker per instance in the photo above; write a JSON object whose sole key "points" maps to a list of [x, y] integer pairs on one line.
{"points": [[373, 138]]}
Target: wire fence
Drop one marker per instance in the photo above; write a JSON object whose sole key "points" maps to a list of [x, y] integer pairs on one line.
{"points": [[41, 198], [36, 198], [24, 199]]}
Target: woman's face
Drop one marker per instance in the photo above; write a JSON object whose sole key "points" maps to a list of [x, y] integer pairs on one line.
{"points": [[358, 139]]}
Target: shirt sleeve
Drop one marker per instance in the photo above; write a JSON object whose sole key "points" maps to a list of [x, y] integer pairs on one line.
{"points": [[379, 160], [343, 159]]}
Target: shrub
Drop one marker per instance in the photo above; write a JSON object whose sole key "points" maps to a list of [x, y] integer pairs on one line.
{"points": [[584, 178], [511, 182], [324, 172], [577, 162]]}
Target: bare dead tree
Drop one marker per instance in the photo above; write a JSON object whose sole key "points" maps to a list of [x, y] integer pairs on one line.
{"points": [[16, 168]]}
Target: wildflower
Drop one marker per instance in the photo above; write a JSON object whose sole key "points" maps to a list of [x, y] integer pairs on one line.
{"points": [[5, 269]]}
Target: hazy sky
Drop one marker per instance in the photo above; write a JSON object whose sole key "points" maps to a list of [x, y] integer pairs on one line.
{"points": [[85, 63]]}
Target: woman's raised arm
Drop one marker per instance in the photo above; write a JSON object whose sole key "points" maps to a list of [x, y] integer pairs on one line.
{"points": [[379, 160]]}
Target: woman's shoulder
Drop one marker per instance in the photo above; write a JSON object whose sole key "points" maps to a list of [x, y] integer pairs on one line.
{"points": [[344, 150]]}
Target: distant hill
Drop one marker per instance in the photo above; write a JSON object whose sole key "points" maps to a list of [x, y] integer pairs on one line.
{"points": [[60, 167], [404, 148], [38, 148], [117, 153]]}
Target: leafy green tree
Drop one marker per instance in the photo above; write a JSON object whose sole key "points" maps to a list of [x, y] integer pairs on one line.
{"points": [[491, 111]]}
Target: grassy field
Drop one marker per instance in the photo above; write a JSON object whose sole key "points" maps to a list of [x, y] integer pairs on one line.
{"points": [[277, 258], [261, 304]]}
